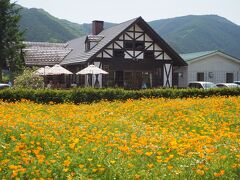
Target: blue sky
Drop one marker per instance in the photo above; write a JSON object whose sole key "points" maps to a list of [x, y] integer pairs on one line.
{"points": [[84, 11]]}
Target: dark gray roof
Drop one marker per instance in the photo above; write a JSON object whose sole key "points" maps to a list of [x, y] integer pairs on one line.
{"points": [[44, 53], [78, 54]]}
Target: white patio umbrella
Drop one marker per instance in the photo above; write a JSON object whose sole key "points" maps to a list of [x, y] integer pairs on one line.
{"points": [[91, 69], [58, 70], [42, 71]]}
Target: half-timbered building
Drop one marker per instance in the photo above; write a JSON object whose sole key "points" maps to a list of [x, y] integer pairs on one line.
{"points": [[132, 52]]}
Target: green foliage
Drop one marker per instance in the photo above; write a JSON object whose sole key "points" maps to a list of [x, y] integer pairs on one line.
{"points": [[10, 38], [28, 79], [89, 95], [5, 77]]}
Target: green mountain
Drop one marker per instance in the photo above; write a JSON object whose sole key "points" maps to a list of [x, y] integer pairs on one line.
{"points": [[185, 34], [200, 33], [41, 26]]}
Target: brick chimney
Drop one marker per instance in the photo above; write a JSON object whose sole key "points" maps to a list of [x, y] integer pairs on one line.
{"points": [[97, 27]]}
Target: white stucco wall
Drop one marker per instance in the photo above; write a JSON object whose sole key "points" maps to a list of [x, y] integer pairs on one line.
{"points": [[217, 65]]}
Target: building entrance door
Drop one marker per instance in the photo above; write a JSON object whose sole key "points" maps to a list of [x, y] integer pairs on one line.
{"points": [[175, 79], [137, 80], [119, 79]]}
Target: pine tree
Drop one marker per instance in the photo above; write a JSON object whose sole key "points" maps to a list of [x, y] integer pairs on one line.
{"points": [[10, 38]]}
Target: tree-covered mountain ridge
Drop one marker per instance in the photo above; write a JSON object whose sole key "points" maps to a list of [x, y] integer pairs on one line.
{"points": [[185, 34]]}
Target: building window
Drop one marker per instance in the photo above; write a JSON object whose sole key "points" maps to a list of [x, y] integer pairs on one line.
{"points": [[139, 45], [229, 77], [118, 53], [128, 45], [200, 76], [149, 54]]}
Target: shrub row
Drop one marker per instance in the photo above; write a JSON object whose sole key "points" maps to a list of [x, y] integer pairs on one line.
{"points": [[88, 95]]}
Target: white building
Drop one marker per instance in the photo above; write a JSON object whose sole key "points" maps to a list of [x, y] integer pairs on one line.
{"points": [[212, 66]]}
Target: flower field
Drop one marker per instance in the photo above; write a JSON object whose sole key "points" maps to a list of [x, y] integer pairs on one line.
{"points": [[141, 139]]}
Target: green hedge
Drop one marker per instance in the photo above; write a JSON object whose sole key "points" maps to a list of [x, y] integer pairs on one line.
{"points": [[88, 95]]}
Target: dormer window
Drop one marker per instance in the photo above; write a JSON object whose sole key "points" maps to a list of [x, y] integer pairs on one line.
{"points": [[131, 45], [91, 41]]}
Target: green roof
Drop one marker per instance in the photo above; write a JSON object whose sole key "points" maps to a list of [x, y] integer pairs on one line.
{"points": [[195, 55]]}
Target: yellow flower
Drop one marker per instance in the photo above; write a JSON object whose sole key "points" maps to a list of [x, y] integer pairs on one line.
{"points": [[14, 174], [130, 165], [23, 136], [200, 172], [172, 132], [13, 167], [112, 162], [13, 138], [150, 166], [69, 177], [94, 170], [81, 166], [66, 163], [234, 166], [72, 145], [149, 153], [170, 167], [94, 149], [101, 169], [223, 157]]}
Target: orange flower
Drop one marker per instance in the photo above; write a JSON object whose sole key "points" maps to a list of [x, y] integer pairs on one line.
{"points": [[219, 174], [137, 177], [66, 163], [149, 153], [139, 151], [170, 167], [150, 166]]}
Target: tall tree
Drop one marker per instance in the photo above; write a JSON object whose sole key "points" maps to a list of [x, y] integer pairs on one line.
{"points": [[10, 38]]}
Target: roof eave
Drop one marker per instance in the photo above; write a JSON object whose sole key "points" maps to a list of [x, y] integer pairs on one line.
{"points": [[214, 53]]}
